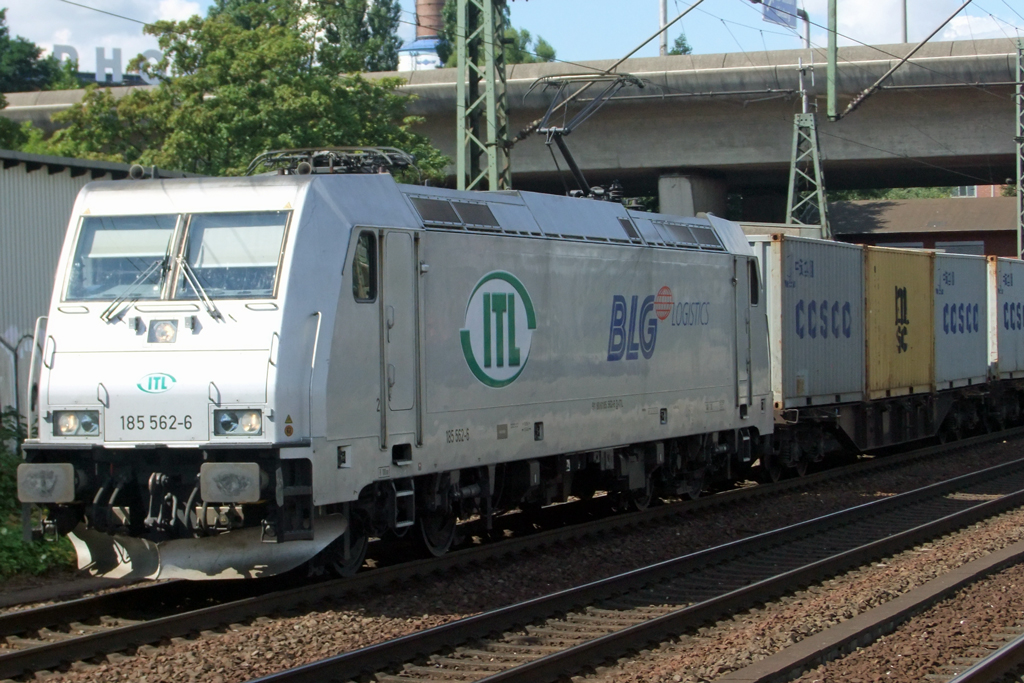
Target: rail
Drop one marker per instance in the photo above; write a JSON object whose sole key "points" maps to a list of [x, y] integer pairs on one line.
{"points": [[1005, 660], [667, 597], [228, 602]]}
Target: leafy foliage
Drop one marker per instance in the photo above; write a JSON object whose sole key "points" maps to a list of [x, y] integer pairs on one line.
{"points": [[21, 66], [520, 48], [16, 556], [890, 193], [246, 79], [348, 35], [12, 433], [681, 46], [10, 133]]}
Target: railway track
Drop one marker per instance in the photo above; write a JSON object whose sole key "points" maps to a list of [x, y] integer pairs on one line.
{"points": [[1006, 663], [54, 635], [559, 634]]}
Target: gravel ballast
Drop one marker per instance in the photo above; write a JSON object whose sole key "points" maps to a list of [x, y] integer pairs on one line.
{"points": [[271, 644]]}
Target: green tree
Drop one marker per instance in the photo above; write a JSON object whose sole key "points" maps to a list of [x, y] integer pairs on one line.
{"points": [[10, 133], [382, 20], [520, 48], [349, 35], [234, 92], [21, 66], [681, 46]]}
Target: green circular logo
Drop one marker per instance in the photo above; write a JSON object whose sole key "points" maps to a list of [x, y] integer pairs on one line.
{"points": [[499, 329]]}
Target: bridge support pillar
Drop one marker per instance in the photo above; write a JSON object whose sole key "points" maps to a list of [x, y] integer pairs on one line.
{"points": [[688, 195]]}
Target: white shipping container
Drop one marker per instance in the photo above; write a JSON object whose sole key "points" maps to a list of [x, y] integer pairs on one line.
{"points": [[961, 320], [1009, 317], [815, 292]]}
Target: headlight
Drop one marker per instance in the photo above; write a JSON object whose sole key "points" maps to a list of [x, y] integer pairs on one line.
{"points": [[251, 422], [76, 422], [238, 422], [163, 331]]}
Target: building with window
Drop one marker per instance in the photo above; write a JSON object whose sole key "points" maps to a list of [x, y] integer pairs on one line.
{"points": [[975, 191], [951, 225]]}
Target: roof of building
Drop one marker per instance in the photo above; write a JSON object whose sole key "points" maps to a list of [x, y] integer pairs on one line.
{"points": [[923, 215], [421, 44], [78, 167]]}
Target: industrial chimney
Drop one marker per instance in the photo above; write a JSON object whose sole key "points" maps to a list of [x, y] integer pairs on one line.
{"points": [[428, 18]]}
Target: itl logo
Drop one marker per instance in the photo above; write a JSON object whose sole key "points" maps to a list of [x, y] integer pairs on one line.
{"points": [[499, 328], [156, 383]]}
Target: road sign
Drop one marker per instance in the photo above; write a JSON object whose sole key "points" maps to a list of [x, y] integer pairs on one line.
{"points": [[782, 12]]}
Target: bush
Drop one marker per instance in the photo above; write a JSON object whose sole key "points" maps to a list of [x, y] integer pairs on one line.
{"points": [[17, 556], [38, 557]]}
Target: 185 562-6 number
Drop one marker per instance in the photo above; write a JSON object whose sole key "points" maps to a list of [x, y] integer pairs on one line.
{"points": [[155, 422]]}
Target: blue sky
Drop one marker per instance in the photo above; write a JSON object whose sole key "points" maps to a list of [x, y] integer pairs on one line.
{"points": [[578, 29]]}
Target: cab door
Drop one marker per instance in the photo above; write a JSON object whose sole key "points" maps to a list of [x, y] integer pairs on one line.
{"points": [[399, 337], [741, 285]]}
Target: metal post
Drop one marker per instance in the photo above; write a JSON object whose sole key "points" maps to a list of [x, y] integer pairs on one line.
{"points": [[806, 202], [802, 14], [1020, 149], [833, 55], [663, 19], [903, 21], [482, 125]]}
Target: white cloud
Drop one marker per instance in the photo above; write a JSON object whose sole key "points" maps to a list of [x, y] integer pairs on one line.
{"points": [[51, 22], [976, 28], [177, 10], [878, 21]]}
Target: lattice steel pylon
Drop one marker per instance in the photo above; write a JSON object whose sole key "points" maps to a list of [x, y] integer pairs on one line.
{"points": [[1020, 149], [806, 204], [482, 101]]}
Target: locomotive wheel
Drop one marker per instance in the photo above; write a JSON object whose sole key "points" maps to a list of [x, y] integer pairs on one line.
{"points": [[640, 499], [693, 483], [437, 531], [333, 556]]}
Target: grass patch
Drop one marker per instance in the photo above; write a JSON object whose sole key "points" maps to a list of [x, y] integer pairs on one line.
{"points": [[17, 556]]}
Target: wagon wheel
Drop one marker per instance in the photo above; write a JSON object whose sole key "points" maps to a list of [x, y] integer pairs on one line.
{"points": [[437, 531], [771, 468], [802, 465], [949, 434]]}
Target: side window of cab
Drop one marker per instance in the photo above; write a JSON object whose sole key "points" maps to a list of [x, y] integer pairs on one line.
{"points": [[364, 268]]}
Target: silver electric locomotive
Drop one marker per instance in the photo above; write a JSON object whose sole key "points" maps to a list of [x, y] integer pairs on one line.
{"points": [[239, 376]]}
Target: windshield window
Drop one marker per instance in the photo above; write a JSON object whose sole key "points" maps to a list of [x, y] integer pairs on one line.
{"points": [[114, 252], [233, 255]]}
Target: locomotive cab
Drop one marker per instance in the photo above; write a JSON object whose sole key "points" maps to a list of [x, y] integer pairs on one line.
{"points": [[161, 420]]}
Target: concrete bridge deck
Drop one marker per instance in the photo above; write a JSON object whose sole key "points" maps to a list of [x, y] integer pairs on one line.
{"points": [[725, 121]]}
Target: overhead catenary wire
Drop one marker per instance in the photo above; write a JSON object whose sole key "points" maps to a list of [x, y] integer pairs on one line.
{"points": [[856, 102], [816, 47], [859, 143], [886, 52], [530, 129]]}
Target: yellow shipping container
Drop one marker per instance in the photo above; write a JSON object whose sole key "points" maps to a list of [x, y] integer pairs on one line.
{"points": [[899, 346]]}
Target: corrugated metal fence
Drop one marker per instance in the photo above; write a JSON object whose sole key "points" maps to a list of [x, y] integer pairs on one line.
{"points": [[34, 210]]}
